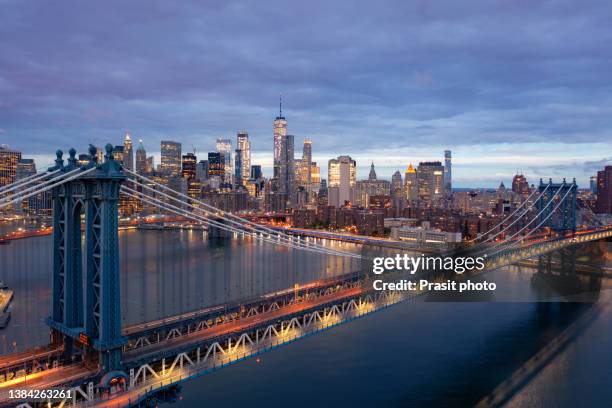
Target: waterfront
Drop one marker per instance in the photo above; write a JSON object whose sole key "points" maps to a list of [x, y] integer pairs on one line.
{"points": [[418, 353]]}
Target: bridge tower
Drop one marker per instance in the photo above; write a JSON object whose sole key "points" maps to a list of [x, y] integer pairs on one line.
{"points": [[564, 220], [86, 305]]}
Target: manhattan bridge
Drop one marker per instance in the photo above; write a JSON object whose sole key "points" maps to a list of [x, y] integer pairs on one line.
{"points": [[105, 363]]}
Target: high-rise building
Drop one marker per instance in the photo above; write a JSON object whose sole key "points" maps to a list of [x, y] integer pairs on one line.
{"points": [[170, 158], [188, 166], [448, 182], [280, 132], [256, 172], [430, 178], [411, 184], [593, 184], [238, 177], [8, 164], [603, 205], [366, 189], [128, 153], [224, 146], [244, 146], [141, 159], [202, 170], [188, 172], [341, 180], [306, 165], [520, 185], [216, 164], [150, 164]]}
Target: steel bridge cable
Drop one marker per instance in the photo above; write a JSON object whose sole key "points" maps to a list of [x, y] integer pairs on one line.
{"points": [[25, 181], [507, 240], [512, 215], [38, 186], [212, 208], [518, 242], [291, 243], [269, 231], [206, 222], [242, 221], [516, 220], [176, 210], [62, 179]]}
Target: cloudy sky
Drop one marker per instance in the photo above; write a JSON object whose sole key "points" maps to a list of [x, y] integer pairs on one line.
{"points": [[509, 85]]}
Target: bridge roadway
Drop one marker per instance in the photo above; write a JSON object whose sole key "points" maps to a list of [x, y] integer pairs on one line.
{"points": [[170, 346]]}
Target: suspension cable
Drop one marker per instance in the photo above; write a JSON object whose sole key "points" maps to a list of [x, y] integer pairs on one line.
{"points": [[511, 215], [518, 242], [240, 227], [22, 182], [241, 222], [199, 218], [507, 240], [39, 186], [62, 179]]}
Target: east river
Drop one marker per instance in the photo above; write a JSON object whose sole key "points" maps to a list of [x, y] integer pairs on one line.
{"points": [[417, 353]]}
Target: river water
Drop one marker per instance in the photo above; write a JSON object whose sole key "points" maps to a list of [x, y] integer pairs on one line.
{"points": [[417, 353]]}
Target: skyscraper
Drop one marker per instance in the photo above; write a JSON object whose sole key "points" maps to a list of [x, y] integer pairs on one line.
{"points": [[448, 182], [238, 166], [288, 166], [128, 153], [244, 145], [216, 165], [8, 164], [141, 158], [170, 158], [430, 177], [306, 164], [341, 179], [520, 185], [280, 131], [603, 205], [188, 172], [224, 146], [411, 184]]}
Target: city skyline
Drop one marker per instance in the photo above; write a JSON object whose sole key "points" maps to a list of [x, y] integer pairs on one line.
{"points": [[433, 77]]}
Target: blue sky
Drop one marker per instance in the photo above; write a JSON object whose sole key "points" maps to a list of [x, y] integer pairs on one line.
{"points": [[510, 85]]}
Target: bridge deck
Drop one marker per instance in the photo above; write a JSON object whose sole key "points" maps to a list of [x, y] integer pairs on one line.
{"points": [[154, 350]]}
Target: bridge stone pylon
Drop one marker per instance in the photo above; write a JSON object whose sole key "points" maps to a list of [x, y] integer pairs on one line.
{"points": [[86, 304]]}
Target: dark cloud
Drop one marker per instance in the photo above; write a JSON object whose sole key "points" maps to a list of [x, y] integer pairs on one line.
{"points": [[372, 74]]}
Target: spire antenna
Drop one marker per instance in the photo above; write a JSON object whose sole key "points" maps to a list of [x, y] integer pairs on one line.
{"points": [[280, 105]]}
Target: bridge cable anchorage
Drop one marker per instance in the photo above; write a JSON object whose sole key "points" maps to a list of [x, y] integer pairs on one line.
{"points": [[511, 215], [242, 231], [25, 181], [62, 179], [519, 241], [242, 222], [206, 221]]}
